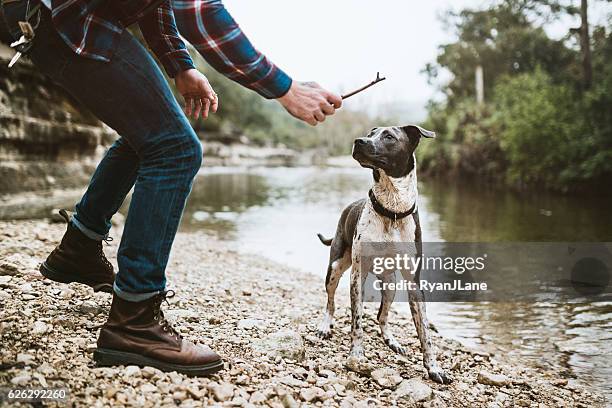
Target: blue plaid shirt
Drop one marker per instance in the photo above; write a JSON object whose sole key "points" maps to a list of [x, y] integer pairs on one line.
{"points": [[208, 26], [92, 28]]}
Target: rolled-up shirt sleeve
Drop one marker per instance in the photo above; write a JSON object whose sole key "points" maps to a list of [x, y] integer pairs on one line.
{"points": [[159, 30], [210, 28]]}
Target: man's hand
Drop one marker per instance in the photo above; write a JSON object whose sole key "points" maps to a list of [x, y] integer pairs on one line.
{"points": [[199, 95], [309, 102]]}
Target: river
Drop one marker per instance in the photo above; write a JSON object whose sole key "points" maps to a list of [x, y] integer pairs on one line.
{"points": [[276, 212]]}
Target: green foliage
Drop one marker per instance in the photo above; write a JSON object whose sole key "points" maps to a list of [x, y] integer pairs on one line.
{"points": [[538, 126]]}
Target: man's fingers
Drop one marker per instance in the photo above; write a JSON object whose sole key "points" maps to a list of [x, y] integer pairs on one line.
{"points": [[319, 116], [188, 104], [334, 100], [206, 107], [327, 108], [198, 108], [214, 102]]}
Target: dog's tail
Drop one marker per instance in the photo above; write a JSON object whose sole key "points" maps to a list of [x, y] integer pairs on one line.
{"points": [[326, 242]]}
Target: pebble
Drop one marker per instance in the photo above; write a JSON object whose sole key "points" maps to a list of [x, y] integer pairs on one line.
{"points": [[89, 307], [222, 392], [40, 327], [386, 377], [284, 344], [21, 380], [497, 380], [413, 389], [131, 371]]}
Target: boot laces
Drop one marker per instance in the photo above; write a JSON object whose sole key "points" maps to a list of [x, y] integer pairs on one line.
{"points": [[159, 314], [106, 240]]}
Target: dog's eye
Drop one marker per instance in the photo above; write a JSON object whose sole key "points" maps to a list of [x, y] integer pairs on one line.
{"points": [[389, 136]]}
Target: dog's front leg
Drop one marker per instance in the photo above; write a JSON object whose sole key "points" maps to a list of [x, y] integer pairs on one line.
{"points": [[419, 315], [356, 309]]}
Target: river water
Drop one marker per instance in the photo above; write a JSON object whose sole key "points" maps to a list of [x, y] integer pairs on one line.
{"points": [[276, 212]]}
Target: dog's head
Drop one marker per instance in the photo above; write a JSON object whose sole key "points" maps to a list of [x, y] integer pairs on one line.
{"points": [[390, 148]]}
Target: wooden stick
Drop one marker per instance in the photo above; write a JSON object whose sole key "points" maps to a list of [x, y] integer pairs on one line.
{"points": [[363, 88]]}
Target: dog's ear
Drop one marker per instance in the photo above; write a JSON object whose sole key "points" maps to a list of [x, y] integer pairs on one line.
{"points": [[419, 130]]}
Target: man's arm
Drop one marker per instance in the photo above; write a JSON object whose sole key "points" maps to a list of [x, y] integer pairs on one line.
{"points": [[159, 30], [209, 27]]}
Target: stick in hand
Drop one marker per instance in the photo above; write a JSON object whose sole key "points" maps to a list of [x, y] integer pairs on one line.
{"points": [[363, 88]]}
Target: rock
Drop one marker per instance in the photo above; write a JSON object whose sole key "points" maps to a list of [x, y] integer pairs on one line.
{"points": [[66, 294], [288, 401], [257, 397], [179, 395], [149, 372], [247, 324], [359, 365], [413, 389], [222, 392], [131, 371], [311, 394], [89, 307], [26, 359], [435, 403], [21, 380], [498, 380], [39, 328], [8, 269], [4, 280], [285, 344], [386, 377], [148, 387]]}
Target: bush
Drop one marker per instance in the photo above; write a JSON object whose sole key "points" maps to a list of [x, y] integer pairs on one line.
{"points": [[543, 132]]}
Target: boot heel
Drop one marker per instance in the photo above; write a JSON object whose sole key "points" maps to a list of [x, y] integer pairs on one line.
{"points": [[54, 275], [104, 357]]}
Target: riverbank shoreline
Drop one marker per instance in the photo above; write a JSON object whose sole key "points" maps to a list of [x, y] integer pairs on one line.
{"points": [[262, 317]]}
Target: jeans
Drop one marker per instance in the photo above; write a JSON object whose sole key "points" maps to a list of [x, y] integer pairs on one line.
{"points": [[158, 153]]}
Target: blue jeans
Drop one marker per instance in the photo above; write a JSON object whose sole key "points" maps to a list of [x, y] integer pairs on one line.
{"points": [[158, 153]]}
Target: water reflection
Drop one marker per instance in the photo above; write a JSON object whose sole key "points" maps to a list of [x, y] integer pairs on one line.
{"points": [[277, 212]]}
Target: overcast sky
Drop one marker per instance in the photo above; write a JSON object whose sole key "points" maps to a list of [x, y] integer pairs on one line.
{"points": [[342, 43]]}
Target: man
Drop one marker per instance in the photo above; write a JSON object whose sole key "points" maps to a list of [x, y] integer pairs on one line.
{"points": [[83, 46]]}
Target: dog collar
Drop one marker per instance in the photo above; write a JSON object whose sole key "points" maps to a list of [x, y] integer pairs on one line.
{"points": [[381, 210]]}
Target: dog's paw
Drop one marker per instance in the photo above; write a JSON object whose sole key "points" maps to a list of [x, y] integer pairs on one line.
{"points": [[357, 353], [324, 334], [438, 375], [396, 346]]}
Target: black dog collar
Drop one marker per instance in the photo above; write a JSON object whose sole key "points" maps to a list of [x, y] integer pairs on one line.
{"points": [[381, 210]]}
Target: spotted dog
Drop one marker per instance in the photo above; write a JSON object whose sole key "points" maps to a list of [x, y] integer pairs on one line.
{"points": [[389, 214]]}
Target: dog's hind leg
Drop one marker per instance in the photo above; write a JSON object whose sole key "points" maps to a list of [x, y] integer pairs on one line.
{"points": [[339, 262], [357, 281], [387, 296]]}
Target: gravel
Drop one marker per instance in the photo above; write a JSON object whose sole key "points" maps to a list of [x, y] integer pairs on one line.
{"points": [[262, 318]]}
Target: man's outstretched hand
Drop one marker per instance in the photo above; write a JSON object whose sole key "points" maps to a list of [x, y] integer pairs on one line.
{"points": [[309, 102], [199, 95]]}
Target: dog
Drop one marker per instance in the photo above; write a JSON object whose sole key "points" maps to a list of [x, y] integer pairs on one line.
{"points": [[389, 214]]}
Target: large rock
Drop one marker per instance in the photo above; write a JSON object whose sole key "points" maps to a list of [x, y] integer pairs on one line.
{"points": [[287, 344], [414, 390]]}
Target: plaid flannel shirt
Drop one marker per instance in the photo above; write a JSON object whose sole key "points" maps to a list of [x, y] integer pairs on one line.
{"points": [[208, 26], [92, 28]]}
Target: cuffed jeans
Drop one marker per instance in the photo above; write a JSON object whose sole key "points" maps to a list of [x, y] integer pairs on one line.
{"points": [[157, 153]]}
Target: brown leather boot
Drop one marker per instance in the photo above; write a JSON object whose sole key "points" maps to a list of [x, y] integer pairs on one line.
{"points": [[79, 259], [137, 333]]}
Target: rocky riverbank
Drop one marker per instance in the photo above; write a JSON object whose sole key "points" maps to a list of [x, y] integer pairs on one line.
{"points": [[262, 317]]}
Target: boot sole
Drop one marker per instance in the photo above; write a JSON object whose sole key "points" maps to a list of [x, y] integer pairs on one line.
{"points": [[108, 357], [63, 277]]}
